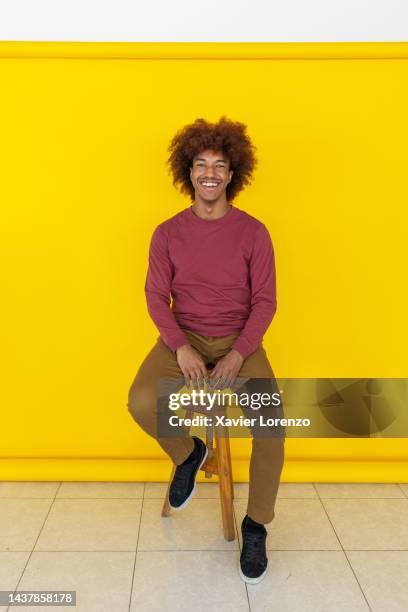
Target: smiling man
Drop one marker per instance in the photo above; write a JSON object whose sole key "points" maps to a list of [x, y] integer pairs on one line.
{"points": [[216, 262]]}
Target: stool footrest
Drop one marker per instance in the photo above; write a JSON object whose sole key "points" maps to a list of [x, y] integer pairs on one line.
{"points": [[210, 465]]}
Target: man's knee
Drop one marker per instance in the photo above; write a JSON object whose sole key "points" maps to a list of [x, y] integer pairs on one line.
{"points": [[141, 401]]}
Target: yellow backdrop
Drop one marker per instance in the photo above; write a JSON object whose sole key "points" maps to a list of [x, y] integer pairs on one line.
{"points": [[84, 182]]}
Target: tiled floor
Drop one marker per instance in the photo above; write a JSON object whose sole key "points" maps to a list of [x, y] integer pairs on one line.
{"points": [[332, 548]]}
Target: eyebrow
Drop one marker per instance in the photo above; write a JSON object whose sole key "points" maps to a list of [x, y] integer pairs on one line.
{"points": [[217, 160]]}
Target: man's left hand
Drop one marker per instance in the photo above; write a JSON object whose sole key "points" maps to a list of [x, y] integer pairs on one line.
{"points": [[226, 370]]}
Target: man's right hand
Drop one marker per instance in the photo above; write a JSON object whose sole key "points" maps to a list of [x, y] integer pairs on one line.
{"points": [[191, 364]]}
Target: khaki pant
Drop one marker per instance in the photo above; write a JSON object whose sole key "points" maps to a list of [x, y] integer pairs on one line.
{"points": [[267, 455]]}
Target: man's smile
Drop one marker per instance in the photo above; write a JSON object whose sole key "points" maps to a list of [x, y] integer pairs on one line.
{"points": [[209, 185]]}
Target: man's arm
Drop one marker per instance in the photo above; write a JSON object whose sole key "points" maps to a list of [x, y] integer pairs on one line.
{"points": [[263, 294], [157, 290]]}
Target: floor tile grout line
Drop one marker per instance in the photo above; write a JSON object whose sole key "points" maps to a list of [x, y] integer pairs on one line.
{"points": [[212, 497], [403, 492], [38, 535], [137, 543], [217, 550], [71, 498], [236, 526], [344, 552], [198, 498], [195, 550], [239, 551]]}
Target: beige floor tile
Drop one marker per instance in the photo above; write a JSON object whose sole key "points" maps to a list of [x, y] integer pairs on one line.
{"points": [[109, 490], [91, 525], [299, 490], [299, 524], [102, 580], [202, 581], [358, 490], [196, 527], [21, 521], [24, 488], [383, 576], [307, 581], [11, 568], [370, 524]]}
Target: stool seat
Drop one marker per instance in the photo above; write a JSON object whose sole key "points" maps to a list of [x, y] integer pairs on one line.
{"points": [[218, 463]]}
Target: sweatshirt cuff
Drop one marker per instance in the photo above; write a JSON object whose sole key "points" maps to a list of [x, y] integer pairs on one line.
{"points": [[176, 341], [243, 347]]}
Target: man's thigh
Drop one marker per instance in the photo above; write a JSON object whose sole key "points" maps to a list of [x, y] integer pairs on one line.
{"points": [[159, 363], [260, 379], [256, 365]]}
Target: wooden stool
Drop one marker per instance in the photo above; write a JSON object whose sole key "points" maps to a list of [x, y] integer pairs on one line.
{"points": [[218, 463]]}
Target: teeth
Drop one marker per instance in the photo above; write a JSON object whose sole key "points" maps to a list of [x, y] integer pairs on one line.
{"points": [[210, 184]]}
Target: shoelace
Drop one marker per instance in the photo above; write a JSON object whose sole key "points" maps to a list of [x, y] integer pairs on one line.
{"points": [[253, 547]]}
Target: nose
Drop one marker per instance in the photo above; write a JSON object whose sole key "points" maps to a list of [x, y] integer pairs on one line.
{"points": [[210, 172]]}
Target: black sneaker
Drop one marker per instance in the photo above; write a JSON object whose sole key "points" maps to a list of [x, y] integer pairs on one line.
{"points": [[183, 484], [253, 560]]}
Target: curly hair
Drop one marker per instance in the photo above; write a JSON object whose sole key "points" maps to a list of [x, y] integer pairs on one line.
{"points": [[226, 136]]}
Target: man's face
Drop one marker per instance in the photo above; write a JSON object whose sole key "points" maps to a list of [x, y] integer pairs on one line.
{"points": [[210, 175]]}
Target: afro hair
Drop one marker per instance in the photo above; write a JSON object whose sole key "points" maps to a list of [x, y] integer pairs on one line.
{"points": [[227, 136]]}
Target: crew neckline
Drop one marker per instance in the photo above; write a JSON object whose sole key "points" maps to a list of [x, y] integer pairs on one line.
{"points": [[211, 222]]}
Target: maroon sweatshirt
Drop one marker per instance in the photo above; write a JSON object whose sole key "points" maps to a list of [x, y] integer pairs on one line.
{"points": [[220, 275]]}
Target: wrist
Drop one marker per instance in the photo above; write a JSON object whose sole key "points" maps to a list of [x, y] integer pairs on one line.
{"points": [[182, 348], [233, 350]]}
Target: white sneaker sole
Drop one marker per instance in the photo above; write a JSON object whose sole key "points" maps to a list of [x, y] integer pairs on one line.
{"points": [[251, 580], [187, 501]]}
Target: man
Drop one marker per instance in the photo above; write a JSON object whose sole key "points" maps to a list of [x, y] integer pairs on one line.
{"points": [[217, 263]]}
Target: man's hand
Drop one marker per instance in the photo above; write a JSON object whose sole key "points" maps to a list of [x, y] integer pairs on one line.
{"points": [[226, 369], [191, 364]]}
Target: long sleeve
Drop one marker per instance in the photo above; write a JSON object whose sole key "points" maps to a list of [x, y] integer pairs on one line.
{"points": [[263, 294], [158, 288]]}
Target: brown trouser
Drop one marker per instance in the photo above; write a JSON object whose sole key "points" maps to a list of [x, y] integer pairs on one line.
{"points": [[267, 455]]}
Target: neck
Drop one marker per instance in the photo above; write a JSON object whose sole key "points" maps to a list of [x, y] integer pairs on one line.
{"points": [[210, 210]]}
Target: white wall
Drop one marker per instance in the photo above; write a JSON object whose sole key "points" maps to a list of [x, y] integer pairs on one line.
{"points": [[205, 20]]}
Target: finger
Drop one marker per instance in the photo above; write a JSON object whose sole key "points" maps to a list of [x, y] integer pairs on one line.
{"points": [[193, 381], [228, 382], [217, 381], [225, 379], [186, 377], [210, 383], [196, 378], [190, 377], [221, 372], [231, 379], [201, 372]]}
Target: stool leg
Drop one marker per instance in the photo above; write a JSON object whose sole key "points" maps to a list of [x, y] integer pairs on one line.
{"points": [[166, 511], [209, 443], [226, 485]]}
